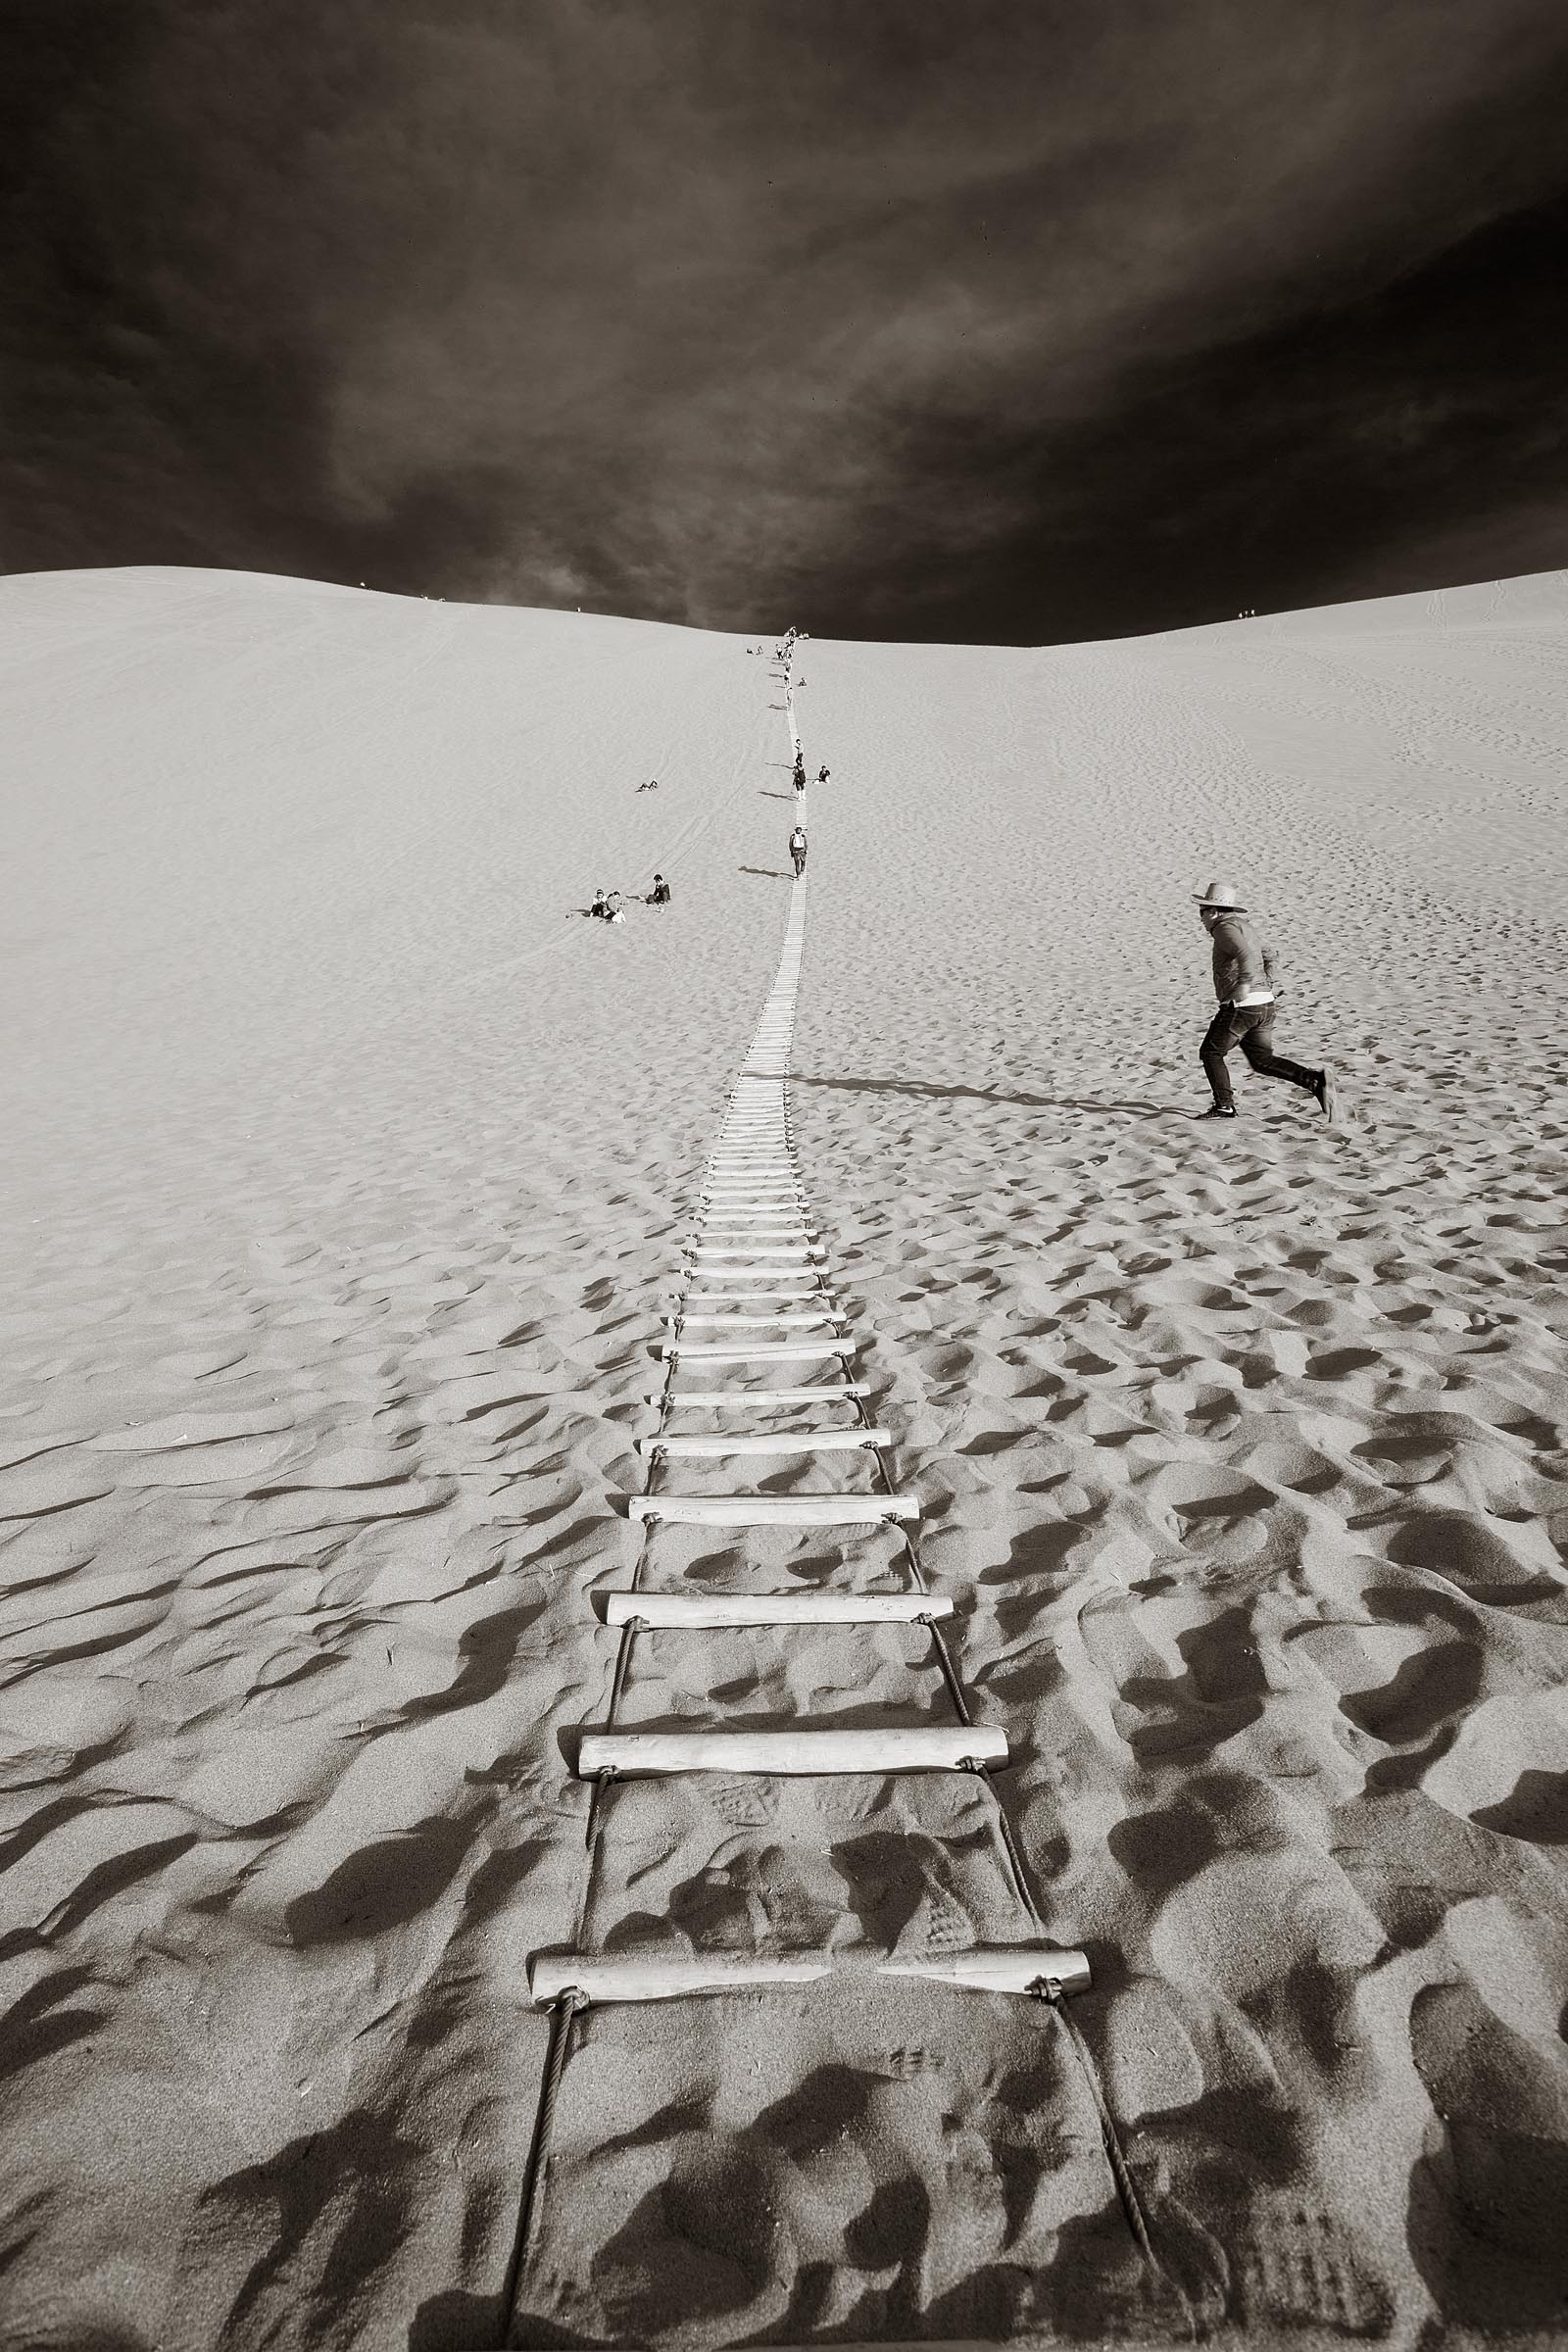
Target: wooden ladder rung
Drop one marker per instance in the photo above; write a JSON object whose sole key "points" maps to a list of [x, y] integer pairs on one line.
{"points": [[779, 1289], [751, 1215], [784, 1441], [806, 1284], [624, 1977], [785, 1200], [714, 1351], [763, 1241], [772, 1510], [756, 1400], [643, 1755], [670, 1976], [769, 1188], [999, 1967], [762, 1258], [747, 1322], [713, 1610], [800, 1280], [755, 1224], [787, 1253], [738, 1263], [750, 1242]]}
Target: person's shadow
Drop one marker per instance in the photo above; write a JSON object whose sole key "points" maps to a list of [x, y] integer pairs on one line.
{"points": [[988, 1093], [769, 873]]}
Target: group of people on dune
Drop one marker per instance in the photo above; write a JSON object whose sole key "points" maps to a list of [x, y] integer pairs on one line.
{"points": [[609, 906]]}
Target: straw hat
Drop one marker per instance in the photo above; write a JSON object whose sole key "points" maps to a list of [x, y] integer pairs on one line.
{"points": [[1221, 894]]}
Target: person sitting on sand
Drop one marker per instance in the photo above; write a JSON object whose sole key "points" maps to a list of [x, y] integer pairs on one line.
{"points": [[798, 850], [658, 895], [1244, 981], [601, 905], [822, 775], [613, 911]]}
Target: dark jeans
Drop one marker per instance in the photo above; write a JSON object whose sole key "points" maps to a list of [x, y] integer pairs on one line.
{"points": [[1252, 1027], [799, 857]]}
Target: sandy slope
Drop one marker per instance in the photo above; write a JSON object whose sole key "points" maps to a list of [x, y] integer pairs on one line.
{"points": [[346, 1166]]}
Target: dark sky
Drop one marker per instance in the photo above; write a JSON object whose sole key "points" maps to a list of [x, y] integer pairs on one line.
{"points": [[944, 319]]}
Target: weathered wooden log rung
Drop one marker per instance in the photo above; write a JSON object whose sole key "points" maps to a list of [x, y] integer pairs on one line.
{"points": [[714, 1351], [783, 1441], [755, 1400], [641, 1755], [749, 1289], [1046, 1971], [772, 1510], [712, 1609], [748, 1322]]}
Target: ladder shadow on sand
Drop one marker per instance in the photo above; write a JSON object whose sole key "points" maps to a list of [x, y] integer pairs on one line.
{"points": [[984, 1093]]}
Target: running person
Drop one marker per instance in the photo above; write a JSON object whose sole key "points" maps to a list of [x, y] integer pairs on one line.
{"points": [[1244, 981]]}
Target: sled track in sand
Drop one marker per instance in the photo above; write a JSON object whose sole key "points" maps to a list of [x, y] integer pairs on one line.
{"points": [[700, 1878]]}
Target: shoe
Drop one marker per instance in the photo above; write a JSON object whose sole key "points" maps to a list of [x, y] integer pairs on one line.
{"points": [[1323, 1094], [1218, 1111]]}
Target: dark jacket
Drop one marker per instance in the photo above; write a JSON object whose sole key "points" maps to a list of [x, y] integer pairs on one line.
{"points": [[1241, 963]]}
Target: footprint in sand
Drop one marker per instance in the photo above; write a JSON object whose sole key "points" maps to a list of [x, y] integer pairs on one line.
{"points": [[1487, 2207]]}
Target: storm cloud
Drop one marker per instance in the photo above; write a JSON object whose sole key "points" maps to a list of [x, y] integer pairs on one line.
{"points": [[1011, 323]]}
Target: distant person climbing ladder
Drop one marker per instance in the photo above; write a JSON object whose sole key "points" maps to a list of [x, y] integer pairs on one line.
{"points": [[798, 850], [1244, 981]]}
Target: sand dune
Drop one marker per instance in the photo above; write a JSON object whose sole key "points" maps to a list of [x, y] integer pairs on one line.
{"points": [[348, 1166]]}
